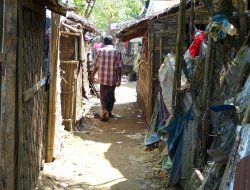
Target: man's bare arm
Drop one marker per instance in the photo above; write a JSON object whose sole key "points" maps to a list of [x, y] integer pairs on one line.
{"points": [[118, 73]]}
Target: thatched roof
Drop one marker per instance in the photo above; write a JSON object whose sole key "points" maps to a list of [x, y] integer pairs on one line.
{"points": [[87, 25], [138, 27], [58, 6]]}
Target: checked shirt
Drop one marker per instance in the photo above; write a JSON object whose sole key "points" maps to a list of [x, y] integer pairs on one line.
{"points": [[108, 60]]}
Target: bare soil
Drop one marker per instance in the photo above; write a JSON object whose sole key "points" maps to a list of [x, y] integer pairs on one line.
{"points": [[106, 155]]}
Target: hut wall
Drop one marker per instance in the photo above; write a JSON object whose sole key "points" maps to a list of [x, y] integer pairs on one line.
{"points": [[143, 81], [8, 15], [143, 90], [162, 41], [72, 83], [32, 101]]}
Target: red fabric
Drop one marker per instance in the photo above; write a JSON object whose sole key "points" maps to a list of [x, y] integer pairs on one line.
{"points": [[108, 60], [195, 46], [126, 44]]}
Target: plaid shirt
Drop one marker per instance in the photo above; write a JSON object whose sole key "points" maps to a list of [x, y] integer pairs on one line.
{"points": [[108, 60]]}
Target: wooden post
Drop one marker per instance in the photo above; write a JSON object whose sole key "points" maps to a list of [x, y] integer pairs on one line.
{"points": [[151, 62], [246, 118], [179, 53], [192, 17], [20, 165], [54, 57], [242, 21], [207, 73]]}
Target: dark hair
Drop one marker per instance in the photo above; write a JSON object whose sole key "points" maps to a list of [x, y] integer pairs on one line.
{"points": [[108, 40]]}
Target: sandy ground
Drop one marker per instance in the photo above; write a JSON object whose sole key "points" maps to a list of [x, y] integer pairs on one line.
{"points": [[106, 155]]}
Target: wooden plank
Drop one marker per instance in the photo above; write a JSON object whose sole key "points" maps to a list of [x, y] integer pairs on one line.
{"points": [[9, 83], [20, 101], [28, 94], [151, 48], [74, 62], [64, 34]]}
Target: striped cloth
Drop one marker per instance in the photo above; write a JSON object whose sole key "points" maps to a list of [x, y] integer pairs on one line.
{"points": [[108, 60]]}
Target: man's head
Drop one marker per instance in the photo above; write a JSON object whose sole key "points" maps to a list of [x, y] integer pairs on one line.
{"points": [[108, 40]]}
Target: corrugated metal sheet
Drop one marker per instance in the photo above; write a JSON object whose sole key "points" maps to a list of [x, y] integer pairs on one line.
{"points": [[242, 174], [58, 6], [156, 6], [86, 23], [237, 173], [137, 28]]}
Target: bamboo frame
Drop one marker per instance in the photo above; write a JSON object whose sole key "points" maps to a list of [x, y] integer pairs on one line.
{"points": [[54, 55], [179, 54], [69, 33]]}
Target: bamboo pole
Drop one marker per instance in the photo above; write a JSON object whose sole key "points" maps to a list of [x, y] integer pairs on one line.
{"points": [[246, 118], [179, 54], [210, 77], [207, 73], [191, 25], [242, 21], [54, 61]]}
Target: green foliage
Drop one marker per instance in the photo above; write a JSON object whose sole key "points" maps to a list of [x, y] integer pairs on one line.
{"points": [[84, 7], [110, 11]]}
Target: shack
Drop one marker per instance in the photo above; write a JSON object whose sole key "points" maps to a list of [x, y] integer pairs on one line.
{"points": [[23, 99], [159, 38], [73, 65], [208, 130]]}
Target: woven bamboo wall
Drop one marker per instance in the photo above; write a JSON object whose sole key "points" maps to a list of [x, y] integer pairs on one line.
{"points": [[162, 41], [34, 106], [72, 83], [143, 90]]}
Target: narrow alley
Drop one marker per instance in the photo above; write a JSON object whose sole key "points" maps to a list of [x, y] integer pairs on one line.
{"points": [[106, 155]]}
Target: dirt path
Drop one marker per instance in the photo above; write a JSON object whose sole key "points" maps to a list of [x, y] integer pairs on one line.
{"points": [[106, 155]]}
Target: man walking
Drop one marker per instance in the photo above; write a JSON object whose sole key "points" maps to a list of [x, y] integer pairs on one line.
{"points": [[108, 62]]}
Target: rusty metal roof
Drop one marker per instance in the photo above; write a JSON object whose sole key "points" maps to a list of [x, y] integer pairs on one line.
{"points": [[237, 176], [138, 27], [86, 23], [242, 174], [58, 6]]}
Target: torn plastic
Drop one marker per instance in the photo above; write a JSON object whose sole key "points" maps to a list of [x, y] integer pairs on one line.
{"points": [[243, 98], [151, 138], [197, 48], [237, 73], [166, 77], [219, 27], [222, 121], [166, 163]]}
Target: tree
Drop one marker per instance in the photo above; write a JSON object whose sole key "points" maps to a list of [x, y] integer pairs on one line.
{"points": [[105, 12], [84, 7]]}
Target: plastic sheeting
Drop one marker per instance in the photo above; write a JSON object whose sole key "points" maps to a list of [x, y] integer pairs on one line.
{"points": [[166, 77], [160, 115], [220, 27], [175, 145]]}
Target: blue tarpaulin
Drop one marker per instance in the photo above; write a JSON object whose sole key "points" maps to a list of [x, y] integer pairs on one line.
{"points": [[161, 114], [175, 145]]}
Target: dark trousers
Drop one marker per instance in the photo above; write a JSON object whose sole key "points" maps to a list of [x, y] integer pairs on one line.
{"points": [[107, 94]]}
